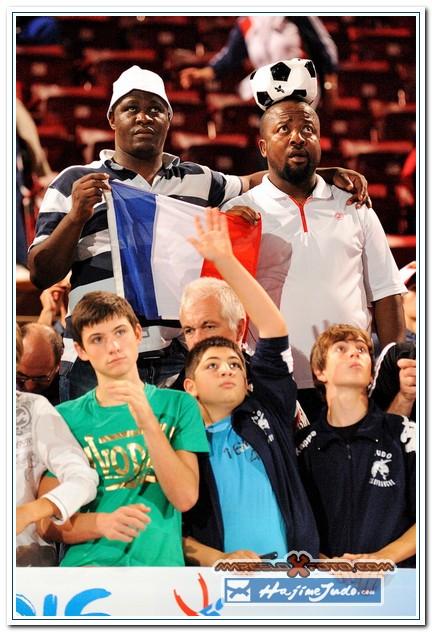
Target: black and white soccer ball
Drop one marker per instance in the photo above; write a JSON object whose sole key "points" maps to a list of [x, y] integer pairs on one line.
{"points": [[294, 78]]}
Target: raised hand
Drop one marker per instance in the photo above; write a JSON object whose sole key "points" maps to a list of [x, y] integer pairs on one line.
{"points": [[213, 240], [407, 378], [133, 395]]}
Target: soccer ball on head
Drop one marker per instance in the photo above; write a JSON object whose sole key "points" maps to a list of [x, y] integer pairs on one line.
{"points": [[294, 78]]}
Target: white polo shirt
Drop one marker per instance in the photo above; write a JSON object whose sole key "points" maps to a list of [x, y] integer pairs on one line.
{"points": [[322, 263]]}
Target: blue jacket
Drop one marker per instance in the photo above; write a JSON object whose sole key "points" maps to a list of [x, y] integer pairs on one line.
{"points": [[261, 420], [363, 491]]}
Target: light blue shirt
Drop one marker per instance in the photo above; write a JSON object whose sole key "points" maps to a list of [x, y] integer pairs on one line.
{"points": [[250, 512]]}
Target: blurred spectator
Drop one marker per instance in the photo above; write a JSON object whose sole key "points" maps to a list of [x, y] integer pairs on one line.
{"points": [[263, 39], [406, 195], [37, 370], [37, 30], [394, 384], [43, 441], [32, 172], [408, 273], [54, 305]]}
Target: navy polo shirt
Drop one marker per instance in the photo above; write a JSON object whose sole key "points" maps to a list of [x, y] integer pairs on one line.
{"points": [[362, 488]]}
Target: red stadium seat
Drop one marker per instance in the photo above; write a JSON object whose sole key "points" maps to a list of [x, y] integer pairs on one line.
{"points": [[105, 66], [60, 146], [378, 162], [92, 141], [190, 111], [386, 42], [369, 80], [42, 64], [71, 105], [90, 31], [229, 153], [350, 118], [213, 33], [394, 121], [232, 115], [160, 33]]}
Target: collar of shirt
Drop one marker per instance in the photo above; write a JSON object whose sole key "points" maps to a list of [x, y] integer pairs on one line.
{"points": [[370, 428], [219, 426], [322, 190], [106, 156]]}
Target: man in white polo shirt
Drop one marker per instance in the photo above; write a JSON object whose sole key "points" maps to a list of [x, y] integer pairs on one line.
{"points": [[322, 261]]}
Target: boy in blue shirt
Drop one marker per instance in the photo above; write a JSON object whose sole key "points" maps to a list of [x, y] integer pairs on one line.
{"points": [[251, 499]]}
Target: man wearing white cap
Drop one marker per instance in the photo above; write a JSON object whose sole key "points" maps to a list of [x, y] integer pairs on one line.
{"points": [[72, 230]]}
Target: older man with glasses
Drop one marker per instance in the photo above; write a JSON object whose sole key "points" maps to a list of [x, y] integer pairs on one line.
{"points": [[37, 371]]}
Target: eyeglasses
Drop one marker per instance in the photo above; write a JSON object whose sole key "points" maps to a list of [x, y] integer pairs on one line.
{"points": [[22, 378]]}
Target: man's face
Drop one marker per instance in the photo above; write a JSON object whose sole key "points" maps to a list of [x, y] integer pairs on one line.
{"points": [[140, 121], [348, 364], [111, 347], [37, 362], [291, 141], [219, 379], [203, 319]]}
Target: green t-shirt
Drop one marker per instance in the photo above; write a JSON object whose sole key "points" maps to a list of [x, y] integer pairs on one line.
{"points": [[117, 450]]}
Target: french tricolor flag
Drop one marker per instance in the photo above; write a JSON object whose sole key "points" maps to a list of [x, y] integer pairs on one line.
{"points": [[152, 260]]}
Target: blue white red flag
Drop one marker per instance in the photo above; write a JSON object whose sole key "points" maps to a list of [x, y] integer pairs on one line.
{"points": [[152, 260]]}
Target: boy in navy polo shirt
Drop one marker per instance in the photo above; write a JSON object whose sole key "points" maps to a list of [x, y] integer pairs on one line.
{"points": [[357, 462], [251, 499]]}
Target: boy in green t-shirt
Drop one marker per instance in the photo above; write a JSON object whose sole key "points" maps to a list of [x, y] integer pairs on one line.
{"points": [[140, 439]]}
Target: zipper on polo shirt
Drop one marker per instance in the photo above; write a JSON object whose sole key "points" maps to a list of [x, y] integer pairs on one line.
{"points": [[301, 206]]}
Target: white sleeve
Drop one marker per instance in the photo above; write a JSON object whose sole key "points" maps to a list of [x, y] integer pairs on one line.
{"points": [[381, 275], [63, 457], [233, 187]]}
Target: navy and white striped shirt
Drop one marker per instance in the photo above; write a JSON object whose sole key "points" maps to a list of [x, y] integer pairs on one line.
{"points": [[92, 269]]}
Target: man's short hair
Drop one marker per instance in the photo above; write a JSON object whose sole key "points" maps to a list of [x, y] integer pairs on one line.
{"points": [[96, 307], [51, 335], [335, 333], [232, 309], [194, 356]]}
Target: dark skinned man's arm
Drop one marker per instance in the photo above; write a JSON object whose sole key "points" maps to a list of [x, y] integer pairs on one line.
{"points": [[52, 259], [389, 319]]}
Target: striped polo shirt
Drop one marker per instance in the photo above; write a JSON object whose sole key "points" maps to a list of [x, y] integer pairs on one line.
{"points": [[92, 269]]}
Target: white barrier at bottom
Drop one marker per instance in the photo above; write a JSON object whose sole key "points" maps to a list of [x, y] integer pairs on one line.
{"points": [[201, 595]]}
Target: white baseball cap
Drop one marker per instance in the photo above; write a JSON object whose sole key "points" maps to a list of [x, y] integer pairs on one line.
{"points": [[136, 78]]}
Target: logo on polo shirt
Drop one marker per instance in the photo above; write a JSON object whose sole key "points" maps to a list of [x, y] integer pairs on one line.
{"points": [[339, 215], [408, 436], [260, 420], [380, 470]]}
